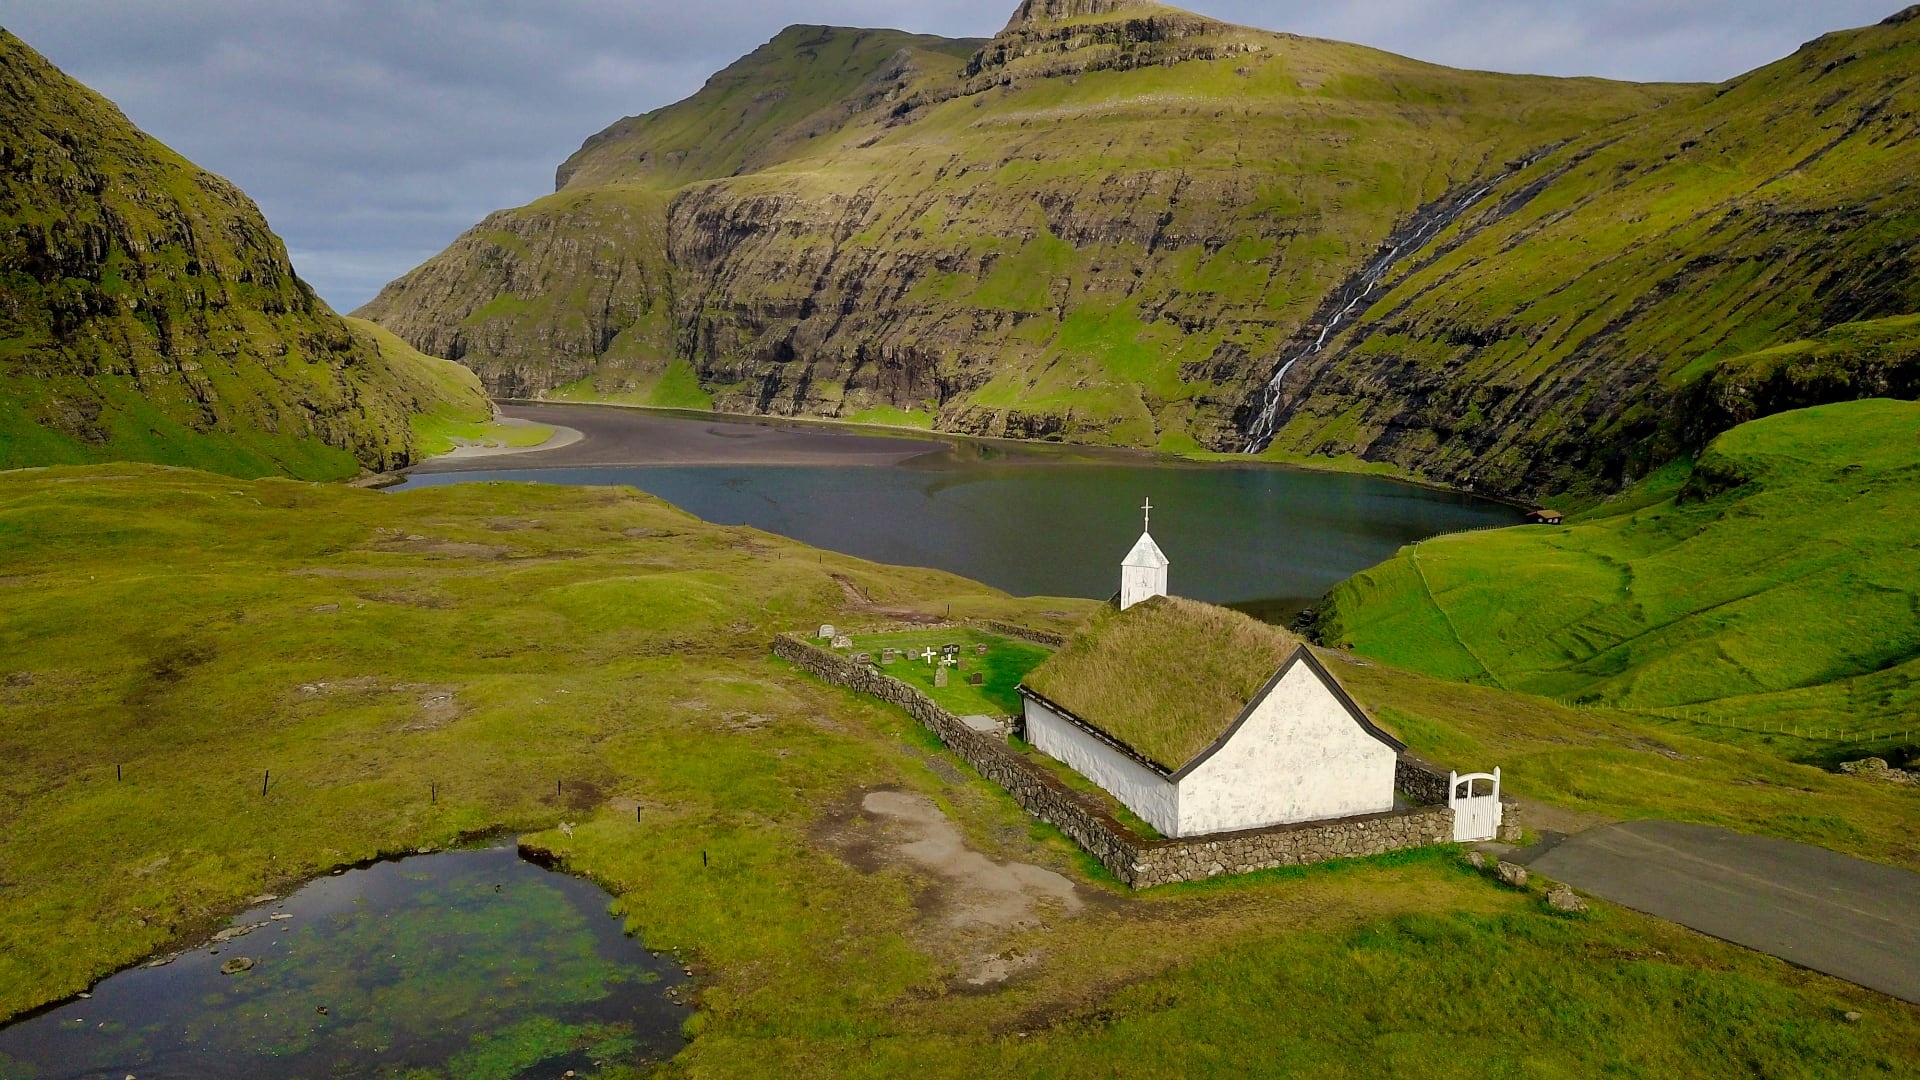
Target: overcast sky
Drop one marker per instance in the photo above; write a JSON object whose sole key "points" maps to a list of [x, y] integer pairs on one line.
{"points": [[373, 132]]}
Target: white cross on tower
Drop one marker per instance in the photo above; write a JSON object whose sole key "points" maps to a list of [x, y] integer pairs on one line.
{"points": [[1148, 508]]}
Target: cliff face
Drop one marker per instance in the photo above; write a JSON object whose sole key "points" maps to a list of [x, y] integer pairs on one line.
{"points": [[147, 311], [1572, 330], [1116, 222], [1096, 227]]}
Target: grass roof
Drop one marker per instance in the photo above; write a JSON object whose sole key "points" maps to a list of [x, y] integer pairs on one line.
{"points": [[1166, 676]]}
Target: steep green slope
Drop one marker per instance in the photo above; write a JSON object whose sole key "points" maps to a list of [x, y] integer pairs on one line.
{"points": [[450, 396], [805, 84], [147, 312], [1101, 225], [1775, 588], [1548, 341]]}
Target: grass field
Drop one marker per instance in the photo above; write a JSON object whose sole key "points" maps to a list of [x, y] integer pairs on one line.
{"points": [[1768, 598], [592, 656]]}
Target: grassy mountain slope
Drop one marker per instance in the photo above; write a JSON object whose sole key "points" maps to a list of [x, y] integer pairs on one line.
{"points": [[1770, 595], [805, 84], [1101, 225], [601, 638], [1552, 339], [147, 312]]}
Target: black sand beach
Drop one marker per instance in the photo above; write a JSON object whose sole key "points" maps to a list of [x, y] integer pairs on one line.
{"points": [[610, 435]]}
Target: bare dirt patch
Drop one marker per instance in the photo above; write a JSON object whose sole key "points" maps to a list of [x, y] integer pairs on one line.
{"points": [[437, 706], [974, 910], [445, 549], [973, 900], [858, 600]]}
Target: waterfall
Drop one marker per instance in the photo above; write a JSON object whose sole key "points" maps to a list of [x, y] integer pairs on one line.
{"points": [[1423, 228]]}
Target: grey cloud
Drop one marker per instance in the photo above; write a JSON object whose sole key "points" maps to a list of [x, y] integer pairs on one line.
{"points": [[373, 133]]}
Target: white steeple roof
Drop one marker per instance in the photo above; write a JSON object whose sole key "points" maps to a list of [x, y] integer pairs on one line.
{"points": [[1146, 553]]}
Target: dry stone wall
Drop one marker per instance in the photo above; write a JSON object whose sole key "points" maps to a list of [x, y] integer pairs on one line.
{"points": [[1025, 633], [1139, 862]]}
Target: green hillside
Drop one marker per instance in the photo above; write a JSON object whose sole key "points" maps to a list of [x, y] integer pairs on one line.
{"points": [[383, 655], [1771, 596], [1102, 225], [148, 313], [1548, 342]]}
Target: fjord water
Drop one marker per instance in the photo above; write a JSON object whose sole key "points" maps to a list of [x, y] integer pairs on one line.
{"points": [[465, 963], [1265, 539]]}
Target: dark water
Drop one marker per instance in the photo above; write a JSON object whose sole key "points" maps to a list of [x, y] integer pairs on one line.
{"points": [[463, 963], [1268, 540]]}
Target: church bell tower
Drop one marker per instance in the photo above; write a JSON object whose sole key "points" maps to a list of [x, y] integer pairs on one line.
{"points": [[1143, 573]]}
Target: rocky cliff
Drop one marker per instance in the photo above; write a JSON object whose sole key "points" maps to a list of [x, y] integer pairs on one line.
{"points": [[147, 311], [1573, 329], [1117, 222]]}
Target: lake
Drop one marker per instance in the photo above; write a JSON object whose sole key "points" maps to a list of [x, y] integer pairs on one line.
{"points": [[1030, 520], [466, 963]]}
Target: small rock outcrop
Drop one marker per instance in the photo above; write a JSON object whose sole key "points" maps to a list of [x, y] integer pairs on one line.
{"points": [[1562, 898], [1034, 11], [1874, 768], [1511, 874]]}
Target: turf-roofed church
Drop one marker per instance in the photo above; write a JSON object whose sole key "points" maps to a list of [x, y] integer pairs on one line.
{"points": [[1203, 720]]}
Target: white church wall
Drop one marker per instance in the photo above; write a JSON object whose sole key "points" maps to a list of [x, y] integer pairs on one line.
{"points": [[1138, 788], [1299, 757], [1139, 583]]}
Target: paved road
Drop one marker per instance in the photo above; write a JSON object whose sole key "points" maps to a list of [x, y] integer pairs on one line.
{"points": [[1853, 919]]}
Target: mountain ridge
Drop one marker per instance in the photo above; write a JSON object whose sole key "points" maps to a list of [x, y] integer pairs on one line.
{"points": [[1109, 224], [148, 312]]}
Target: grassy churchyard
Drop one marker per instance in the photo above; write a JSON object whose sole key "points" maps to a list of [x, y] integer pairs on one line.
{"points": [[593, 657], [1001, 662]]}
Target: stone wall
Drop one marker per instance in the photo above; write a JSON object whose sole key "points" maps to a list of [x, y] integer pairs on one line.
{"points": [[1025, 633], [1423, 780], [1139, 862]]}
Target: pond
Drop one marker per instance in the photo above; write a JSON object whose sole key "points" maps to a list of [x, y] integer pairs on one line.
{"points": [[1034, 521], [468, 963]]}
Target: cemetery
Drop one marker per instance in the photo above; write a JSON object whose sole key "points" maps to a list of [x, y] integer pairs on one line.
{"points": [[967, 670], [1173, 739]]}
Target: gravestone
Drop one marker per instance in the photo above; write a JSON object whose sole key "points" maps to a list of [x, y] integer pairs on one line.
{"points": [[888, 656], [827, 632], [940, 676], [980, 650], [976, 679], [843, 642], [862, 658]]}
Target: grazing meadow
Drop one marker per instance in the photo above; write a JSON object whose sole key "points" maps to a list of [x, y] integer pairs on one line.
{"points": [[402, 671]]}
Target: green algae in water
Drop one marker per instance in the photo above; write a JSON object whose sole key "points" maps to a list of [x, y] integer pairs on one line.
{"points": [[459, 964]]}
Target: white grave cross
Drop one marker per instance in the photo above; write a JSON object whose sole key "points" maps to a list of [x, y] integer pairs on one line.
{"points": [[928, 655]]}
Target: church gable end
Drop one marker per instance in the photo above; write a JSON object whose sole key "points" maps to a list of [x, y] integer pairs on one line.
{"points": [[1302, 656], [1302, 751]]}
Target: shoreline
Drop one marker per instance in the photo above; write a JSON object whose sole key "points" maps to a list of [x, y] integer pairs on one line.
{"points": [[879, 445]]}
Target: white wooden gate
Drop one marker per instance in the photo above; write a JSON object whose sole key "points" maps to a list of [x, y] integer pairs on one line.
{"points": [[1475, 799]]}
